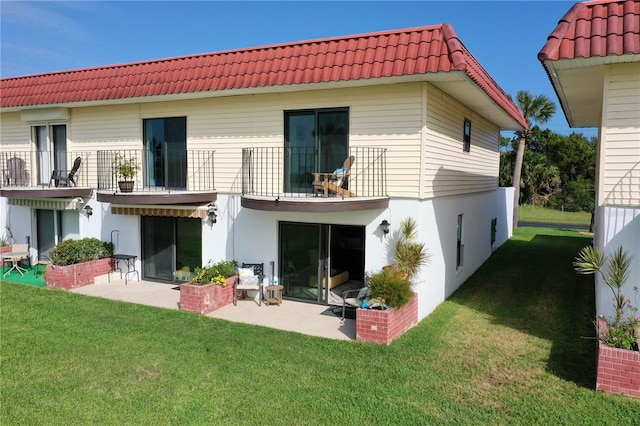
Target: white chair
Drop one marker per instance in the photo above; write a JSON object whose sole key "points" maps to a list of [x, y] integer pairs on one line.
{"points": [[250, 278]]}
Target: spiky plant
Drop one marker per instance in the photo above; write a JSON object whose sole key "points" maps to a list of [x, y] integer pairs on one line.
{"points": [[410, 255], [616, 271]]}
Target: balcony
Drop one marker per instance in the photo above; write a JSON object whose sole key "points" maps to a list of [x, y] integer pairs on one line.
{"points": [[279, 179], [160, 177], [44, 174]]}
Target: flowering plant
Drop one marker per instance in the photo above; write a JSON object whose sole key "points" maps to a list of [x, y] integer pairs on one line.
{"points": [[215, 273]]}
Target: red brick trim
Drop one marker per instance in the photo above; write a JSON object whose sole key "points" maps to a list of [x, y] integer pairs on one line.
{"points": [[384, 326], [618, 371]]}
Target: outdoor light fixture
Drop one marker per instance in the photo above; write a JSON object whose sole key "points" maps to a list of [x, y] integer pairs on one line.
{"points": [[211, 213], [88, 210], [384, 226]]}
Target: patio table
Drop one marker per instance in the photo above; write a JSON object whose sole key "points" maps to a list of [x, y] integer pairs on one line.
{"points": [[15, 257]]}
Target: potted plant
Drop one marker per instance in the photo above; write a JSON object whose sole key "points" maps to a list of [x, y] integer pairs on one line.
{"points": [[618, 351], [392, 308], [126, 169], [211, 287]]}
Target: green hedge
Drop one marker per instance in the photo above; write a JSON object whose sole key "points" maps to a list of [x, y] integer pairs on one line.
{"points": [[70, 252]]}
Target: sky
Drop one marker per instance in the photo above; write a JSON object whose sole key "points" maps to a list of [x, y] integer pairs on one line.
{"points": [[45, 36]]}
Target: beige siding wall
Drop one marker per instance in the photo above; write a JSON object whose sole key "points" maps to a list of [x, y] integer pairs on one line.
{"points": [[620, 179], [397, 117], [14, 133], [387, 116], [448, 170]]}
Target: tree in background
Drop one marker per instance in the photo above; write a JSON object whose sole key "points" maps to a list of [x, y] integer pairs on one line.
{"points": [[558, 170], [537, 109]]}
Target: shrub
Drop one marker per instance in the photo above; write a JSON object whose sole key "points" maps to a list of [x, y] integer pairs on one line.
{"points": [[391, 286], [215, 272], [70, 252]]}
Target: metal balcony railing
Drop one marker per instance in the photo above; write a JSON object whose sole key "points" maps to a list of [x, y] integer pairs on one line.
{"points": [[160, 170], [276, 171], [36, 168]]}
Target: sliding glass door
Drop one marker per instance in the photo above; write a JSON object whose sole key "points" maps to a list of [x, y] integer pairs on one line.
{"points": [[315, 141], [303, 258], [165, 141], [170, 245]]}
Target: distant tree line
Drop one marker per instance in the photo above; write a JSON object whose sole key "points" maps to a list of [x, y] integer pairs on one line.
{"points": [[557, 171]]}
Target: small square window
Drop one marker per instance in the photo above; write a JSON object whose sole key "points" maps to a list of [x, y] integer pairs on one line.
{"points": [[467, 135]]}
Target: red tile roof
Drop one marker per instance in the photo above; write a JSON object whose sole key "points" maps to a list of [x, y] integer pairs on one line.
{"points": [[595, 29], [414, 51]]}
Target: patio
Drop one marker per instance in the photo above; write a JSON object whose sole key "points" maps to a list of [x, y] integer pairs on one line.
{"points": [[304, 318]]}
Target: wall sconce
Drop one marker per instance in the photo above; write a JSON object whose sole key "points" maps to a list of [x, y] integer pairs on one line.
{"points": [[212, 216], [384, 226], [88, 210]]}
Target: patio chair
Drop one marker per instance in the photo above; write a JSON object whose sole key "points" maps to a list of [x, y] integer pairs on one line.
{"points": [[43, 260], [354, 298], [16, 172], [334, 181], [250, 277], [65, 177]]}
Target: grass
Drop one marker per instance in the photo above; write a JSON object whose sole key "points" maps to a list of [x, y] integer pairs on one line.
{"points": [[513, 346], [537, 214]]}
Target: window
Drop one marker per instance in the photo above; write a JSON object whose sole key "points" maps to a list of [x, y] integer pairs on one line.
{"points": [[50, 141], [459, 245], [165, 143], [315, 141], [467, 135]]}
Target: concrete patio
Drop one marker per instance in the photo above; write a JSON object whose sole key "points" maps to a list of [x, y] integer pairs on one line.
{"points": [[305, 318]]}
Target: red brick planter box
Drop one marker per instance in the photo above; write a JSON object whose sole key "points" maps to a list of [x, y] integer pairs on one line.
{"points": [[206, 298], [5, 249], [383, 327], [78, 275], [618, 371]]}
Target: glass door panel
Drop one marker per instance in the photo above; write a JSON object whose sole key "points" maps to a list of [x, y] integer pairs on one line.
{"points": [[158, 248], [46, 227], [302, 261], [59, 147], [333, 140], [165, 141], [188, 247], [299, 150]]}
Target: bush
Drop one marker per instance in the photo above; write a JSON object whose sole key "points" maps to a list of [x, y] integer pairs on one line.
{"points": [[215, 272], [392, 286], [70, 252]]}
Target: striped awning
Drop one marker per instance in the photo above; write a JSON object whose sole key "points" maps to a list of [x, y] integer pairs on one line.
{"points": [[47, 203], [195, 212]]}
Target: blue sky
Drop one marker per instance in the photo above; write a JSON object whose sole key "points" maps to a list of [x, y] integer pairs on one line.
{"points": [[43, 36]]}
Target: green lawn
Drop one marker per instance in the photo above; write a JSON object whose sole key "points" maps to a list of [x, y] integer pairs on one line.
{"points": [[539, 214], [513, 346]]}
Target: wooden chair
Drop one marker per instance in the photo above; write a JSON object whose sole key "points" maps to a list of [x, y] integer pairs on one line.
{"points": [[334, 181], [65, 177], [250, 277]]}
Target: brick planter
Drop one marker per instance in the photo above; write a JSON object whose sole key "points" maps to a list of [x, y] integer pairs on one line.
{"points": [[78, 275], [618, 371], [5, 249], [383, 327], [206, 298]]}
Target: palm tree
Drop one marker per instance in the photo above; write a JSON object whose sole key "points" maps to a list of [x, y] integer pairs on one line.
{"points": [[537, 109]]}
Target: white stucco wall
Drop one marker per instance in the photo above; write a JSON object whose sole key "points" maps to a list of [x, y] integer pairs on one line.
{"points": [[615, 227]]}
